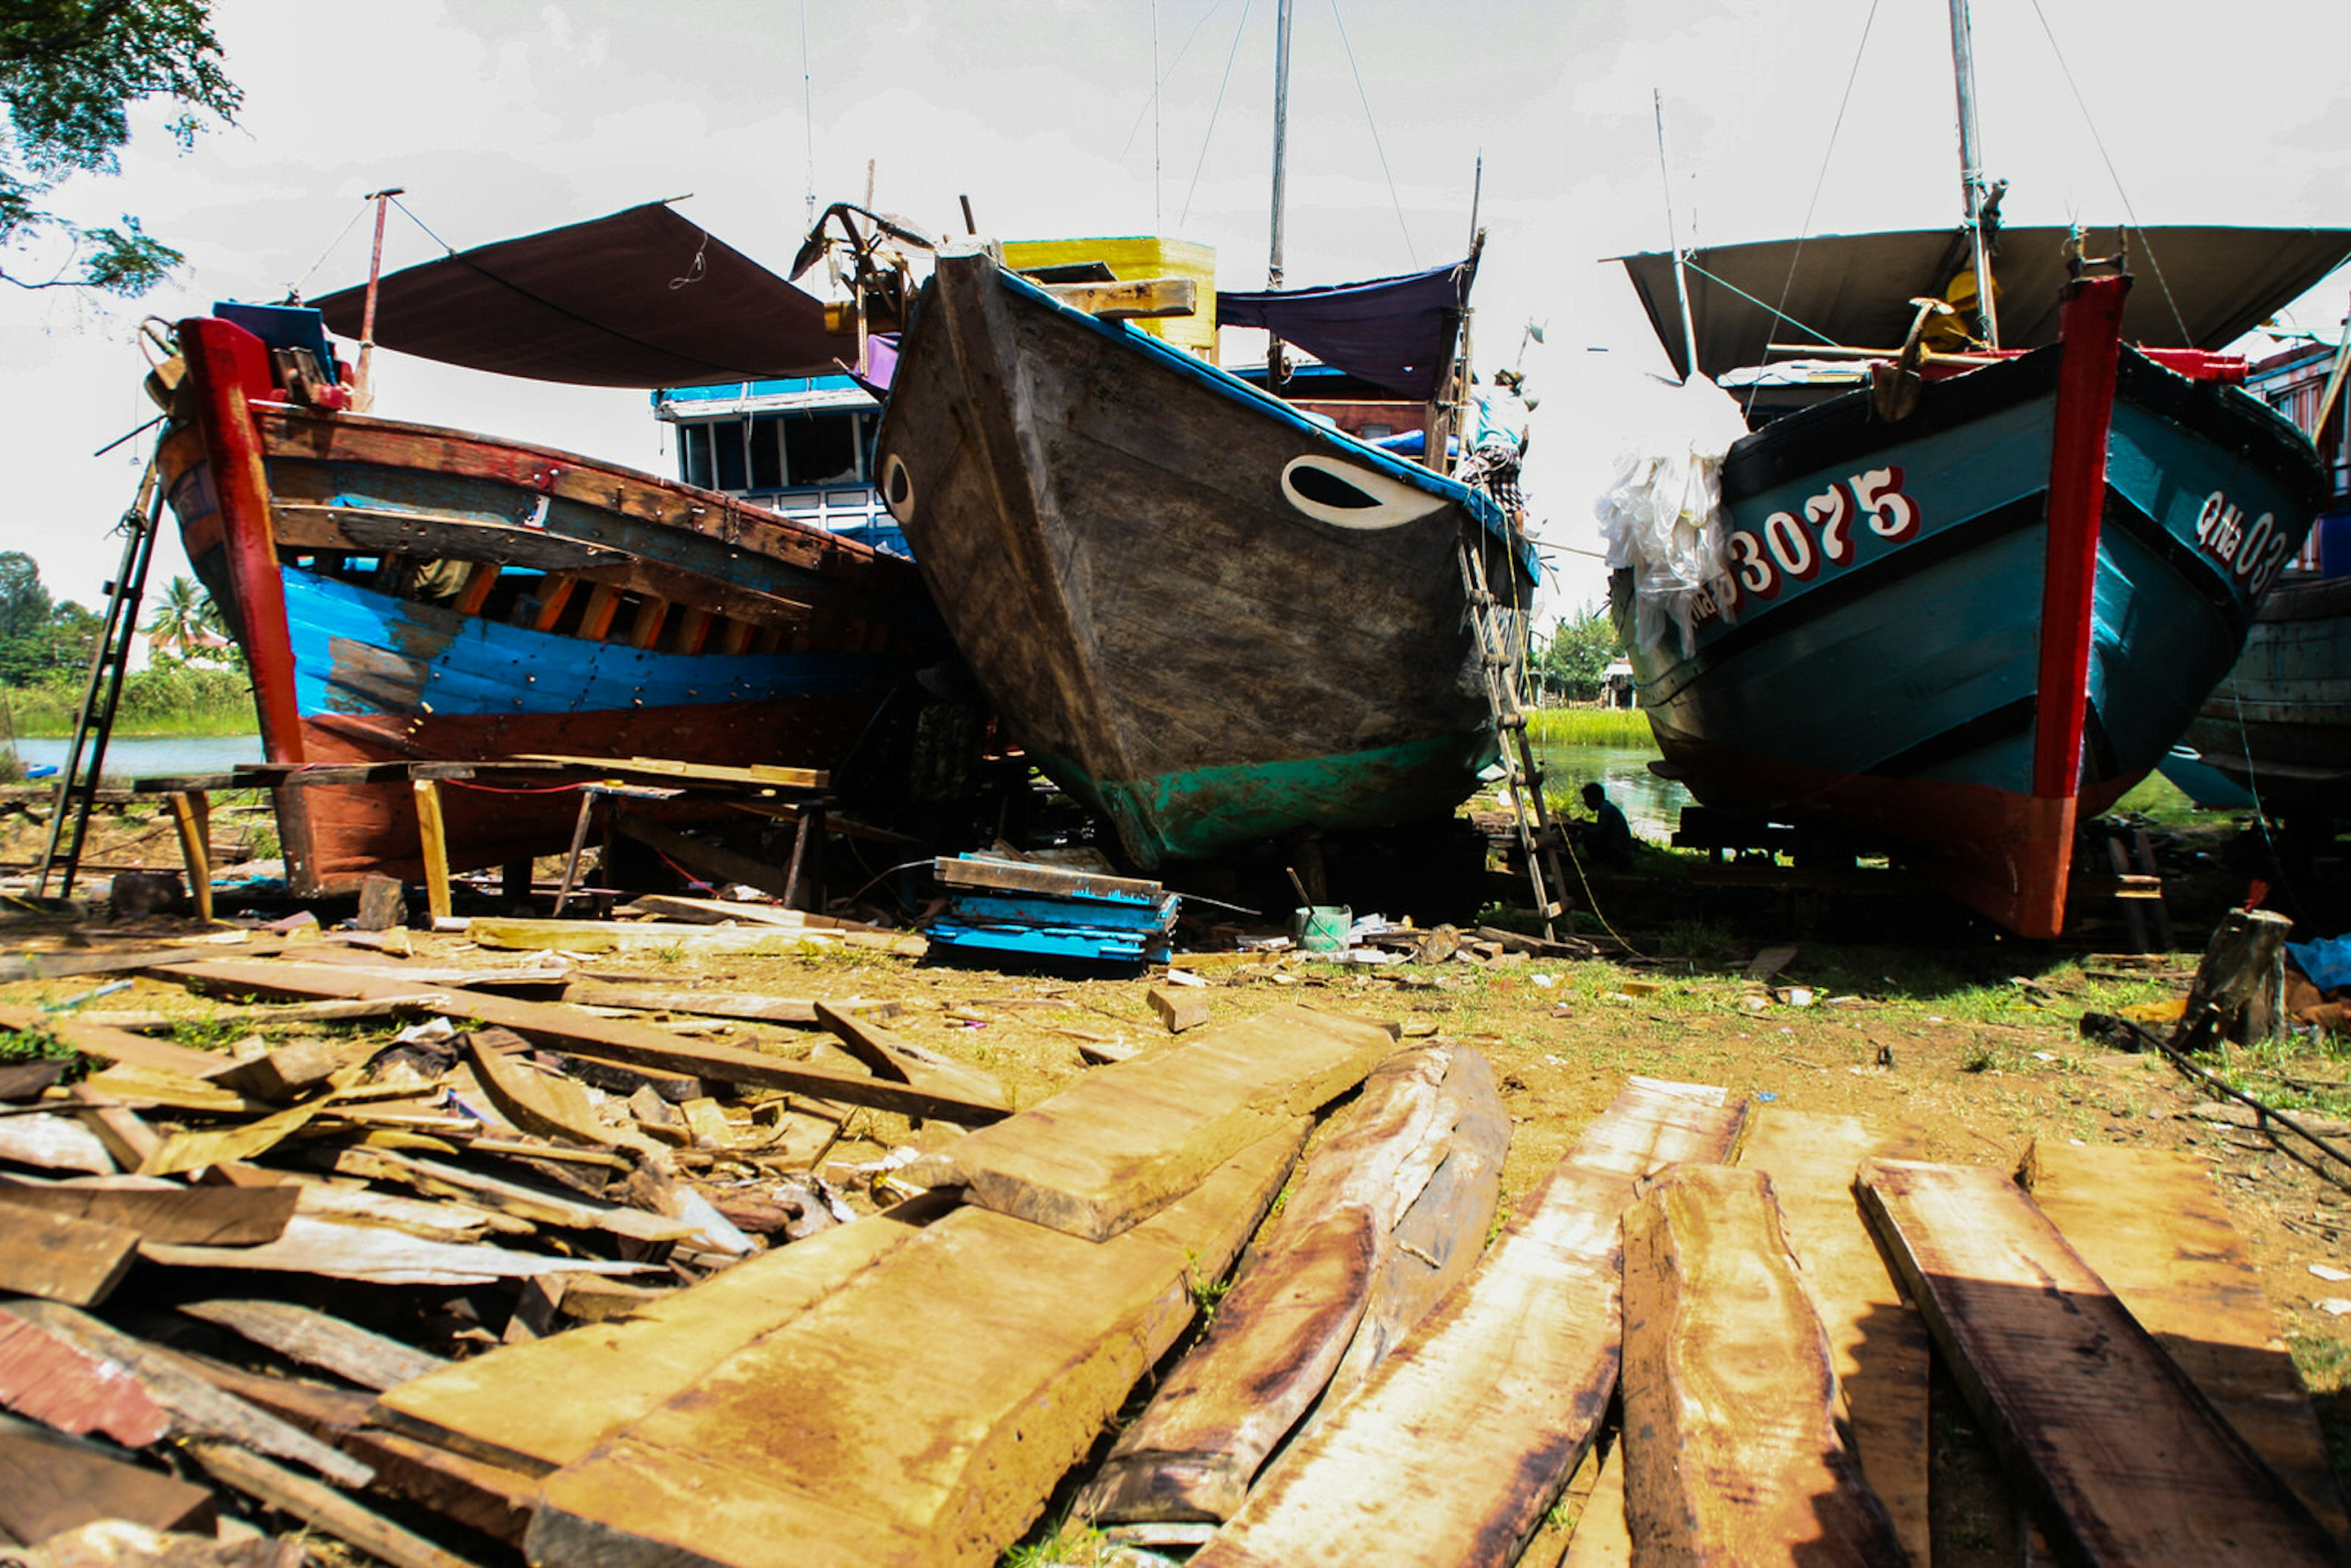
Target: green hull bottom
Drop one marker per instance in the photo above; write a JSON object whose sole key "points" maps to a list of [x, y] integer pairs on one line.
{"points": [[1207, 811]]}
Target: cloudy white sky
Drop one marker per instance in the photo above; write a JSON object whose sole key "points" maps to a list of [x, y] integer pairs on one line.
{"points": [[503, 117]]}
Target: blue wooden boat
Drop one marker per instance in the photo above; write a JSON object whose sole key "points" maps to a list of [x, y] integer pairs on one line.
{"points": [[1210, 617], [1961, 632], [405, 592], [2277, 730]]}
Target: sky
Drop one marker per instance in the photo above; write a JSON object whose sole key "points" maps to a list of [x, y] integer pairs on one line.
{"points": [[505, 117]]}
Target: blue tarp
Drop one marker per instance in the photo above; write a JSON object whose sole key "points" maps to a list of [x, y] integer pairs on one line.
{"points": [[2327, 961]]}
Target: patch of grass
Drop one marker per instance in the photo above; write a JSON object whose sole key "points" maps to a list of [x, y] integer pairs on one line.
{"points": [[40, 1045], [1208, 1294], [1618, 727], [204, 1033], [2158, 799]]}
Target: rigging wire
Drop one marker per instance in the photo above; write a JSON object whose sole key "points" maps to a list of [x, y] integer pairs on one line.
{"points": [[808, 113], [295, 289], [1804, 231], [2100, 142], [1209, 134], [1394, 199], [1128, 146], [1775, 311], [412, 218]]}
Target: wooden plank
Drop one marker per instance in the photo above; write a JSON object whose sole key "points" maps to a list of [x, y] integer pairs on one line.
{"points": [[1733, 1454], [2157, 1233], [716, 911], [1441, 1235], [67, 965], [704, 1004], [321, 1506], [317, 1339], [1600, 1540], [286, 1074], [489, 1498], [114, 1044], [1125, 1142], [61, 1259], [1460, 1441], [50, 1483], [1178, 1010], [377, 1256], [614, 1039], [1019, 876], [545, 1404], [1282, 1329], [693, 772], [192, 818], [433, 839], [549, 1106], [1877, 1340], [74, 1388], [194, 1409], [1010, 1345], [2130, 1462], [657, 936], [437, 1178], [53, 1142], [715, 861], [21, 1081], [892, 1055], [201, 1216], [1134, 299]]}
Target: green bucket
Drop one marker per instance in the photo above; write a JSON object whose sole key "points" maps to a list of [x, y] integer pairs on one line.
{"points": [[1323, 927]]}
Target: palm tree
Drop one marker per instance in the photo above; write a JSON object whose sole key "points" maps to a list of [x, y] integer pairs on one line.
{"points": [[182, 617]]}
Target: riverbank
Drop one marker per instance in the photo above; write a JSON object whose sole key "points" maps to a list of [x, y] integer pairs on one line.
{"points": [[162, 700]]}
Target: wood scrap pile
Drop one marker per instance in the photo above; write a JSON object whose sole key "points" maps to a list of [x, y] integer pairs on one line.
{"points": [[492, 1279], [211, 1261], [1016, 908]]}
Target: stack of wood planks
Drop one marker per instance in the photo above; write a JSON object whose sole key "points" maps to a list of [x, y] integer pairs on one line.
{"points": [[503, 1273]]}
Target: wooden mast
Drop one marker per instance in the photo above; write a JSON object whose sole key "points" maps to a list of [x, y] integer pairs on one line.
{"points": [[1971, 179], [1277, 369], [363, 395]]}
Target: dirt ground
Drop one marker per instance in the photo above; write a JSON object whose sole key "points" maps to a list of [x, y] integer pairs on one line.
{"points": [[1980, 1063]]}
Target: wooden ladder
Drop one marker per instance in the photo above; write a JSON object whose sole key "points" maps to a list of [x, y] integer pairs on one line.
{"points": [[1498, 664], [109, 660]]}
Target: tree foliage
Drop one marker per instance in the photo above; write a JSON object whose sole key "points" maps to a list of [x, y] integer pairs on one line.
{"points": [[41, 638], [1576, 657], [186, 622], [70, 72]]}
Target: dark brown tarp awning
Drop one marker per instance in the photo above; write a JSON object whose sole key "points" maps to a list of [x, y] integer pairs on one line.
{"points": [[1857, 288], [642, 298]]}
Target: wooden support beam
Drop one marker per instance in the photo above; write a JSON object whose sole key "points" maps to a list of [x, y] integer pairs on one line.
{"points": [[711, 860], [192, 817], [735, 636], [2127, 1460], [647, 630], [693, 632], [1452, 1453], [478, 588], [1733, 1454], [596, 620], [1143, 299], [434, 840], [554, 594]]}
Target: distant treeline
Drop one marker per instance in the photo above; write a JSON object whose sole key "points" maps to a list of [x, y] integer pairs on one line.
{"points": [[168, 697]]}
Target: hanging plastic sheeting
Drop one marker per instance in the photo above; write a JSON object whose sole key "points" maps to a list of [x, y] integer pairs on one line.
{"points": [[1662, 518]]}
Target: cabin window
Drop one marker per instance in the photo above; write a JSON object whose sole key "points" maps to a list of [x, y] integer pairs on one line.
{"points": [[694, 454], [822, 448], [1378, 432], [768, 452]]}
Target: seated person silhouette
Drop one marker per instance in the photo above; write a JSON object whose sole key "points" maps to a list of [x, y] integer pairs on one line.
{"points": [[1608, 837]]}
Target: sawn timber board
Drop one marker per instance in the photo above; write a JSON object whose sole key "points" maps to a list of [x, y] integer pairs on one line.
{"points": [[933, 1405], [2129, 1462], [2155, 1230], [1457, 1445], [1129, 1139]]}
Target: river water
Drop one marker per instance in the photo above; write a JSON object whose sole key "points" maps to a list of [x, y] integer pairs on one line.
{"points": [[1652, 805], [148, 756]]}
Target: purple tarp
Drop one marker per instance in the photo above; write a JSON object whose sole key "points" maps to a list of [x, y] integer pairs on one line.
{"points": [[1391, 330]]}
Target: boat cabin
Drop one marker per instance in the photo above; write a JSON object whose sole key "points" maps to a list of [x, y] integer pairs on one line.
{"points": [[800, 445], [2294, 382]]}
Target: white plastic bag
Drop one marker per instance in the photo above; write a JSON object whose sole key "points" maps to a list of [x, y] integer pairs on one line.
{"points": [[1662, 518]]}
